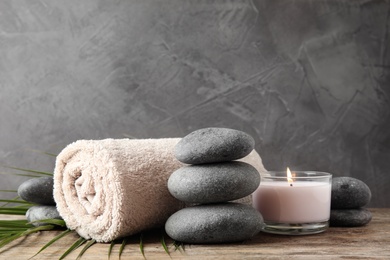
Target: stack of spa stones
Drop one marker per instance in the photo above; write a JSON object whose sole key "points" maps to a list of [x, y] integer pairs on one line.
{"points": [[349, 196], [39, 191], [208, 183]]}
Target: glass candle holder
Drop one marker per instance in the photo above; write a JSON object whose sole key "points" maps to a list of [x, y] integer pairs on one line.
{"points": [[299, 205]]}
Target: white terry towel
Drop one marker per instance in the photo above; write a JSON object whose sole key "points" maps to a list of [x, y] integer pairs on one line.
{"points": [[107, 189]]}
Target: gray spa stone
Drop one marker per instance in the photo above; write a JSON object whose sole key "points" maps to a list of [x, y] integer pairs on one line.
{"points": [[214, 223], [42, 212], [349, 193], [349, 217], [212, 183], [37, 190], [211, 145]]}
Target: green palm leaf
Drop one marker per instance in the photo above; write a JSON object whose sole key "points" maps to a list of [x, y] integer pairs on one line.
{"points": [[43, 152], [73, 247], [21, 174], [124, 242], [13, 235], [9, 238], [110, 249], [141, 245], [13, 210], [28, 170], [15, 201], [56, 238], [54, 221], [164, 245], [179, 246], [15, 223], [88, 245]]}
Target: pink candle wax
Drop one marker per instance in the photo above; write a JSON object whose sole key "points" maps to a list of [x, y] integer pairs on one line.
{"points": [[303, 202]]}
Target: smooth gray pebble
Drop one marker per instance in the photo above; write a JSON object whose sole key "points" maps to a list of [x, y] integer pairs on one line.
{"points": [[213, 183], [349, 193], [214, 223], [349, 217], [42, 212], [37, 190], [211, 145]]}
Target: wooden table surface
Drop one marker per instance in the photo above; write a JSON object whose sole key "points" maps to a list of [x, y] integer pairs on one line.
{"points": [[368, 242]]}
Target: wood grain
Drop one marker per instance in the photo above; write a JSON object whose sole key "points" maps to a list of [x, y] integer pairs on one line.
{"points": [[368, 242]]}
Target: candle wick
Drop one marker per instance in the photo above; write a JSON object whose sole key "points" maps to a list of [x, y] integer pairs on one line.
{"points": [[291, 185]]}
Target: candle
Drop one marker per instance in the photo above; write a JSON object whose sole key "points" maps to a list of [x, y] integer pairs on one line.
{"points": [[294, 204]]}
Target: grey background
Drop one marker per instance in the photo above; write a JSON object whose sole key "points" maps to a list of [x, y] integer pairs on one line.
{"points": [[309, 80]]}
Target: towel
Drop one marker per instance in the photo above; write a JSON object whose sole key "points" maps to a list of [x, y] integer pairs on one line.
{"points": [[112, 188]]}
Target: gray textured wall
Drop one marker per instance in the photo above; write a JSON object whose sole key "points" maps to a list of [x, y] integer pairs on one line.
{"points": [[309, 80]]}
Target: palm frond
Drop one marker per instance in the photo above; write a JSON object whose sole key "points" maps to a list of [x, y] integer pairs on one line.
{"points": [[141, 244], [15, 201], [129, 136], [124, 242], [43, 152], [56, 238], [28, 170], [13, 210], [15, 223], [53, 221], [10, 236], [179, 246], [88, 245], [21, 174], [73, 247], [112, 244], [164, 245]]}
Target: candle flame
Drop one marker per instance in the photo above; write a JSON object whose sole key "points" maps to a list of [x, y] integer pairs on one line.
{"points": [[289, 176]]}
